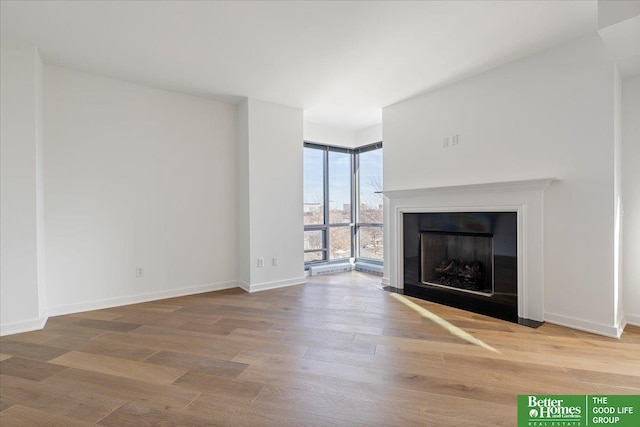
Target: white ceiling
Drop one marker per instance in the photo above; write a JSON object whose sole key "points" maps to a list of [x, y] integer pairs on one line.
{"points": [[339, 61]]}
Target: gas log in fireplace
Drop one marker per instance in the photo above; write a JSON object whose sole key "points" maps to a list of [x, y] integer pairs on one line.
{"points": [[463, 259]]}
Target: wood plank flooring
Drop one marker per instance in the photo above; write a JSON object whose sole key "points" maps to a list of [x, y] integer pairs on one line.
{"points": [[337, 351]]}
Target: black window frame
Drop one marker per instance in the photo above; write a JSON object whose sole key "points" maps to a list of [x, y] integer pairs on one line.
{"points": [[358, 223], [354, 224]]}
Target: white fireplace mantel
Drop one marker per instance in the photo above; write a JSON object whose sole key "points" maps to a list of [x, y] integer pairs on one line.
{"points": [[525, 197], [536, 184]]}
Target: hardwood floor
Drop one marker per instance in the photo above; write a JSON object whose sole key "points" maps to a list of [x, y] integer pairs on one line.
{"points": [[338, 351]]}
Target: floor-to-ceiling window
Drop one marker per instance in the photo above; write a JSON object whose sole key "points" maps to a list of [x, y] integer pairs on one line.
{"points": [[314, 205], [340, 170], [342, 203], [369, 197]]}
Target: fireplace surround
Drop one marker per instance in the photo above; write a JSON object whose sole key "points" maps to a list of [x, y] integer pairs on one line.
{"points": [[463, 259], [522, 199]]}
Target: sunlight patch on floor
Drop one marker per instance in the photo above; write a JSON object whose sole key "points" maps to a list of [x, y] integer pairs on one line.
{"points": [[454, 330]]}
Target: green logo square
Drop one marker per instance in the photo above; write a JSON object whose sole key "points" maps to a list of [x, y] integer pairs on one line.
{"points": [[578, 410]]}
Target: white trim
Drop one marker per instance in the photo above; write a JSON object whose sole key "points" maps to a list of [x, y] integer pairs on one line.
{"points": [[25, 326], [265, 286], [244, 286], [632, 319], [525, 291], [524, 288], [612, 331], [37, 324], [526, 184], [621, 327], [135, 299], [385, 281], [399, 242]]}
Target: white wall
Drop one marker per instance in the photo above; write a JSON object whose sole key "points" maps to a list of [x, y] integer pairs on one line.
{"points": [[244, 201], [135, 177], [617, 198], [40, 207], [274, 164], [329, 135], [368, 135], [613, 12], [339, 137], [631, 198], [547, 115], [22, 293]]}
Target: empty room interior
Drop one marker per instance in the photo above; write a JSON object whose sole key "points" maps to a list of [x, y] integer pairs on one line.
{"points": [[318, 213]]}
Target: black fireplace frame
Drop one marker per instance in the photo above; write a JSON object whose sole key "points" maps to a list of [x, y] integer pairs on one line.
{"points": [[499, 305]]}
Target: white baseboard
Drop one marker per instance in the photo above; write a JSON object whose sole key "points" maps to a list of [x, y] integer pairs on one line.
{"points": [[25, 326], [135, 299], [244, 286], [632, 319], [257, 287], [612, 331], [37, 324], [621, 327]]}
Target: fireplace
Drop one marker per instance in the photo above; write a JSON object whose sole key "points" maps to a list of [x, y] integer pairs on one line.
{"points": [[518, 273], [463, 259]]}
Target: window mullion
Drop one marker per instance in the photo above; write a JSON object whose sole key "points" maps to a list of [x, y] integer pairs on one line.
{"points": [[355, 205]]}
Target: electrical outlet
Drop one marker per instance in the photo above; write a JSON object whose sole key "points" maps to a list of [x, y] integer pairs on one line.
{"points": [[260, 262], [139, 271], [454, 139], [274, 261], [446, 141]]}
